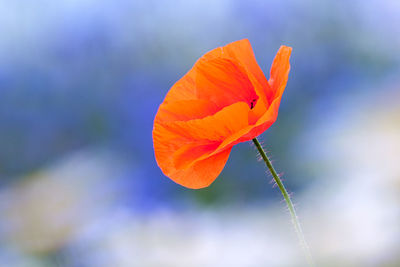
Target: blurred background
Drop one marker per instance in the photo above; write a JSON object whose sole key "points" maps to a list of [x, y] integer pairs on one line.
{"points": [[80, 84]]}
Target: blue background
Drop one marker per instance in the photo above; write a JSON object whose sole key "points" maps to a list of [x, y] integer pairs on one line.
{"points": [[81, 81]]}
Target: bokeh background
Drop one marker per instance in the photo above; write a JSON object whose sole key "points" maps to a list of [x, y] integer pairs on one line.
{"points": [[80, 84]]}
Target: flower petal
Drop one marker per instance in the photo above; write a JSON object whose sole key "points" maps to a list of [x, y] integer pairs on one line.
{"points": [[217, 127], [243, 52], [183, 146], [251, 131], [188, 154], [224, 82], [184, 110], [183, 89], [196, 174], [280, 71], [224, 75], [202, 173]]}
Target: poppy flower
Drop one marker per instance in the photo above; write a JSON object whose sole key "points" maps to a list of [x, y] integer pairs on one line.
{"points": [[223, 100]]}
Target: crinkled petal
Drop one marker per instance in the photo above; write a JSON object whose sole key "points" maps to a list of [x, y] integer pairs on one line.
{"points": [[224, 82], [251, 131], [202, 173], [179, 145], [217, 127], [243, 52], [170, 151], [188, 154], [184, 110]]}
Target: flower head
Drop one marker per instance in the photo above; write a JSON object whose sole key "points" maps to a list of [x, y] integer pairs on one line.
{"points": [[223, 100]]}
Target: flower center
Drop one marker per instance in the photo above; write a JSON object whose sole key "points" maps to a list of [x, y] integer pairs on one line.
{"points": [[253, 103]]}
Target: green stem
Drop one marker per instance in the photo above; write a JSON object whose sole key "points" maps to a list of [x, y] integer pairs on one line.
{"points": [[289, 203]]}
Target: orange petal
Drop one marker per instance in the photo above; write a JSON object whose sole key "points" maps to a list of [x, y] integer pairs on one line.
{"points": [[183, 89], [188, 154], [243, 52], [224, 82], [179, 146], [280, 71], [252, 131], [185, 110], [224, 75], [202, 173], [217, 127], [196, 174], [166, 143]]}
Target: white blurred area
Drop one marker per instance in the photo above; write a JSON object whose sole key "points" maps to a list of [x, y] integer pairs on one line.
{"points": [[49, 209], [351, 217]]}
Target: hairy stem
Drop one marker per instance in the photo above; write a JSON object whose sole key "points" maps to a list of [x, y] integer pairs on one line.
{"points": [[289, 203]]}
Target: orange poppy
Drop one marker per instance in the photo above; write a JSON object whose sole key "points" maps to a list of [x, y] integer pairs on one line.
{"points": [[223, 100]]}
